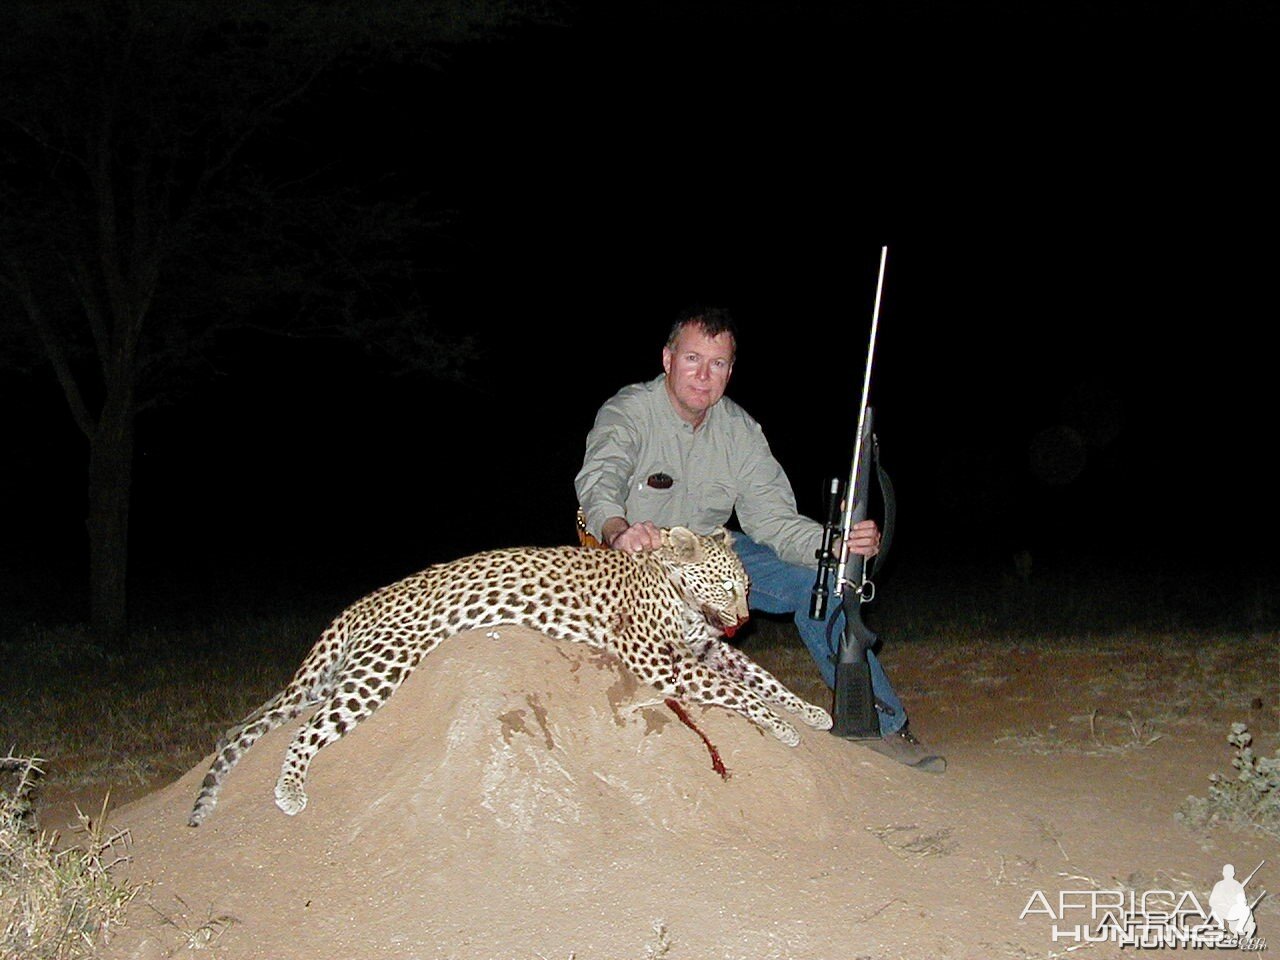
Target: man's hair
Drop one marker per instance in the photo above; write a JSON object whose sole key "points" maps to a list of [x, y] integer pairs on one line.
{"points": [[712, 321]]}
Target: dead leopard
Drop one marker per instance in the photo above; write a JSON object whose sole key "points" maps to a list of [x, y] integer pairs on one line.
{"points": [[663, 612]]}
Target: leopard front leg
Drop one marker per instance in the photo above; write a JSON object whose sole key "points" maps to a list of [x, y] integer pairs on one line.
{"points": [[733, 663], [675, 673]]}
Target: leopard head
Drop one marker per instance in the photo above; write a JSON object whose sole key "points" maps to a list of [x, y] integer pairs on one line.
{"points": [[709, 574]]}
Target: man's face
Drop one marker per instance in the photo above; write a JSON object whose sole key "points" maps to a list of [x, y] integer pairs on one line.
{"points": [[698, 369]]}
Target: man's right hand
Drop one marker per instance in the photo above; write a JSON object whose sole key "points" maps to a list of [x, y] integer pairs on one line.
{"points": [[631, 537]]}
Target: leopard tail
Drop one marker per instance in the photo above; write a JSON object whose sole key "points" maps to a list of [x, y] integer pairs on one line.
{"points": [[280, 708]]}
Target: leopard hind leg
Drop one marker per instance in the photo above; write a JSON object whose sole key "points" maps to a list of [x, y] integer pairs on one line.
{"points": [[357, 694]]}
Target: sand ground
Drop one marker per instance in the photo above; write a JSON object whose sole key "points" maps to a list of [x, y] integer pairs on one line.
{"points": [[522, 799]]}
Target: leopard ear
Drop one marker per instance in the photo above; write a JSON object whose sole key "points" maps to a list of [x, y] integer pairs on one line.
{"points": [[724, 536], [682, 544]]}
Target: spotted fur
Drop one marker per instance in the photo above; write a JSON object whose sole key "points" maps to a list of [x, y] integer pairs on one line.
{"points": [[663, 612]]}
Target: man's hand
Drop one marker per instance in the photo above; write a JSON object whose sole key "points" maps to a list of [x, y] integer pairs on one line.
{"points": [[863, 539], [632, 537]]}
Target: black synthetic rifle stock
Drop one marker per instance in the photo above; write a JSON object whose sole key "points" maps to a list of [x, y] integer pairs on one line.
{"points": [[854, 715], [854, 712]]}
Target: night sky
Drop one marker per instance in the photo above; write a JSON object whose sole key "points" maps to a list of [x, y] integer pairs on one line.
{"points": [[1080, 213]]}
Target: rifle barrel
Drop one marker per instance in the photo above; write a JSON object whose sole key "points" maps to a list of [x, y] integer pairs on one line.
{"points": [[1250, 876], [852, 491]]}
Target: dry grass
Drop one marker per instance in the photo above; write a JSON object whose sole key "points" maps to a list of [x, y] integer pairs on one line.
{"points": [[144, 717], [140, 718], [196, 936], [1107, 736], [56, 902]]}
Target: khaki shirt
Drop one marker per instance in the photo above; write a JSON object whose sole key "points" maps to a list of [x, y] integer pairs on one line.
{"points": [[723, 466]]}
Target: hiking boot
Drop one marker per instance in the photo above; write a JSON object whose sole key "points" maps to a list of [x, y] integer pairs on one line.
{"points": [[902, 745]]}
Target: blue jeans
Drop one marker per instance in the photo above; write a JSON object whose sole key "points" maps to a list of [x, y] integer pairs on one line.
{"points": [[781, 587]]}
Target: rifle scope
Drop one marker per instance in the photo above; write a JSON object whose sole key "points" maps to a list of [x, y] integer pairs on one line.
{"points": [[821, 592]]}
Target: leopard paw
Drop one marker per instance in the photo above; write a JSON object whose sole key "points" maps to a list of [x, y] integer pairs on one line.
{"points": [[815, 717], [784, 732], [290, 797]]}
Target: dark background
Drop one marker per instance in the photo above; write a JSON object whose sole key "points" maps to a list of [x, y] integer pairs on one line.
{"points": [[1074, 357]]}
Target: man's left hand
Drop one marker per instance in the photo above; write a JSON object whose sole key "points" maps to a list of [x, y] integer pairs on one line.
{"points": [[863, 539]]}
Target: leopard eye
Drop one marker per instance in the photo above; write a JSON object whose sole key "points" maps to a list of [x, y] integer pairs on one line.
{"points": [[728, 586]]}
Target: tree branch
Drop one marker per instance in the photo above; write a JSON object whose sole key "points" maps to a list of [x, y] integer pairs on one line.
{"points": [[15, 279]]}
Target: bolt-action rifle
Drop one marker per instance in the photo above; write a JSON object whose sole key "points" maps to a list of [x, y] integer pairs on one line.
{"points": [[854, 713]]}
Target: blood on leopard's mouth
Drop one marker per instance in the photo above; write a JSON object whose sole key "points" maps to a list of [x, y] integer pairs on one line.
{"points": [[729, 629]]}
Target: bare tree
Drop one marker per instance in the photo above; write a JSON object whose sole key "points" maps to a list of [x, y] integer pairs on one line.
{"points": [[143, 206]]}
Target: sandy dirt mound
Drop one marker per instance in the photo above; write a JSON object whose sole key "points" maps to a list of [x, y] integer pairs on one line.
{"points": [[522, 798]]}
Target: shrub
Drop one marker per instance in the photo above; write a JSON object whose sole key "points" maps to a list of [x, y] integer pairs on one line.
{"points": [[55, 904], [1251, 798]]}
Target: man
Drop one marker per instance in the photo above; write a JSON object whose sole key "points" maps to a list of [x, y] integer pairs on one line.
{"points": [[676, 451]]}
